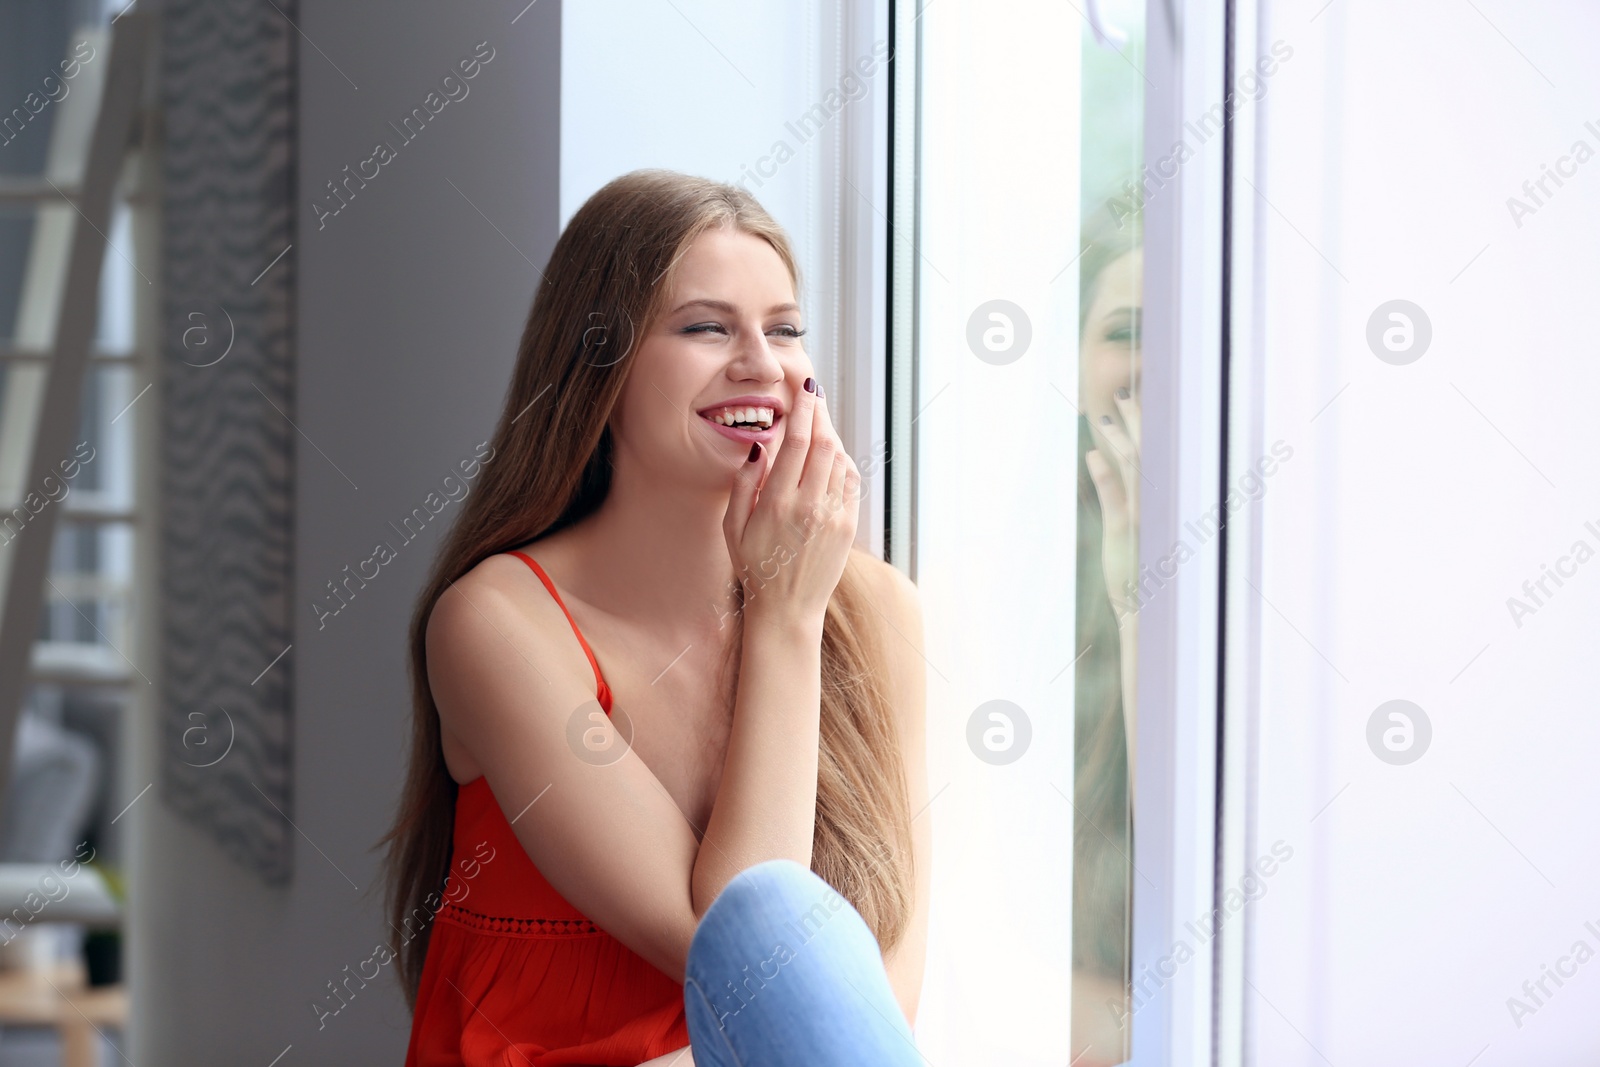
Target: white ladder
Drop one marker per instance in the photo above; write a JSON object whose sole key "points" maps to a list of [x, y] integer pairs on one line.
{"points": [[56, 324]]}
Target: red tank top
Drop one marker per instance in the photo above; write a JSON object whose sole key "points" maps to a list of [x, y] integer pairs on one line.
{"points": [[514, 974]]}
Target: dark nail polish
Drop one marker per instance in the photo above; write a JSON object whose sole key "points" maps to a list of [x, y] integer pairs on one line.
{"points": [[811, 385], [1105, 420], [755, 452], [1122, 392]]}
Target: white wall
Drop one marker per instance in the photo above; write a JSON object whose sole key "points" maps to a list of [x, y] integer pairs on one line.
{"points": [[1419, 499], [410, 304], [707, 87]]}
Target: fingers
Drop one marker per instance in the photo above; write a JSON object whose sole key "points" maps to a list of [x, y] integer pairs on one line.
{"points": [[848, 489], [837, 471], [1113, 498], [811, 468], [840, 486], [1128, 408], [824, 447], [799, 423], [840, 505], [1124, 450], [844, 477], [742, 500]]}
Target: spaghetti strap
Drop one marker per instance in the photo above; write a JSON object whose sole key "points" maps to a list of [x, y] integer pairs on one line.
{"points": [[603, 692]]}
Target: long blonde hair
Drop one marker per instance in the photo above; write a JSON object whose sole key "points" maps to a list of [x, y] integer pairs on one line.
{"points": [[607, 276]]}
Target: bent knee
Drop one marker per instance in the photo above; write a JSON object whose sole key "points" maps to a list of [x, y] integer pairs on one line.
{"points": [[770, 895], [770, 884]]}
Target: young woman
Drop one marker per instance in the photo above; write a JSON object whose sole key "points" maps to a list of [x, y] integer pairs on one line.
{"points": [[1110, 316], [667, 778]]}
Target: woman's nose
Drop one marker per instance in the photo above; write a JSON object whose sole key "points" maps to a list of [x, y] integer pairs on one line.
{"points": [[753, 356]]}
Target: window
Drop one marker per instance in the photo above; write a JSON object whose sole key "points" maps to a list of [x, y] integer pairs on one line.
{"points": [[1018, 302]]}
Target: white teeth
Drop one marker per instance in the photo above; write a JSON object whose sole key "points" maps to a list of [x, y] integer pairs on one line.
{"points": [[729, 416]]}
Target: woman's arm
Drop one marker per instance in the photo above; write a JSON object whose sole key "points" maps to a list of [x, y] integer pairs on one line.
{"points": [[793, 528], [515, 691], [1117, 484], [766, 804]]}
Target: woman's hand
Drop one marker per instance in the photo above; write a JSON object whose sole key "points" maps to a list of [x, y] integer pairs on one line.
{"points": [[1116, 482], [789, 535], [683, 1057]]}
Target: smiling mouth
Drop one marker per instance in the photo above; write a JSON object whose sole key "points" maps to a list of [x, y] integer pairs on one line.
{"points": [[745, 418]]}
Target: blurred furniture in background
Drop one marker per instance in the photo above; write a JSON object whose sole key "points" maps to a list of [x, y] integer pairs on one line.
{"points": [[58, 997], [54, 774]]}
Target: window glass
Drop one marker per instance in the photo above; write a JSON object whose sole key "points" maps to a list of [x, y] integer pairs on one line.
{"points": [[1025, 516], [1110, 287]]}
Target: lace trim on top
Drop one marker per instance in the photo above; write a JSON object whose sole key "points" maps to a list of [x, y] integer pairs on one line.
{"points": [[515, 927]]}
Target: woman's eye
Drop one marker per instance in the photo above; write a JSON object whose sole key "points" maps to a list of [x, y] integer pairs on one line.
{"points": [[785, 330]]}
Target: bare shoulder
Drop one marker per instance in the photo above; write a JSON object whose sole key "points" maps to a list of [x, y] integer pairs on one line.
{"points": [[894, 611], [495, 611], [892, 594], [485, 596]]}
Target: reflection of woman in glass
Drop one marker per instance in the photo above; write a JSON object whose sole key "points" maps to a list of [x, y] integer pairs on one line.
{"points": [[1110, 308]]}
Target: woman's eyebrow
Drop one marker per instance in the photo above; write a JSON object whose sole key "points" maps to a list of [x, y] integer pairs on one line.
{"points": [[728, 309]]}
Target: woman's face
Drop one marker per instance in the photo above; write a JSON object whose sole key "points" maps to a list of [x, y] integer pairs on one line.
{"points": [[1110, 354], [730, 330]]}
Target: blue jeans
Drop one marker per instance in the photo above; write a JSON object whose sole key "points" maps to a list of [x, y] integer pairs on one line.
{"points": [[784, 972]]}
